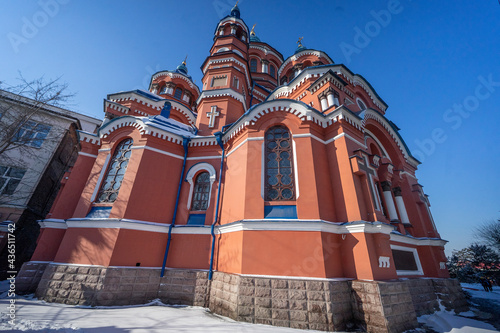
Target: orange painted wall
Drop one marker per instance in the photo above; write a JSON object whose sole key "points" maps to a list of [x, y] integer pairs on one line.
{"points": [[48, 244], [87, 246], [148, 248]]}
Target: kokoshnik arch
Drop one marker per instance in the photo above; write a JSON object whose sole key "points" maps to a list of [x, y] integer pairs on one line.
{"points": [[278, 192]]}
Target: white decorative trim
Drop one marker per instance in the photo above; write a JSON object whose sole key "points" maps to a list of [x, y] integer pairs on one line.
{"points": [[87, 154], [156, 150], [397, 237], [305, 225], [309, 135], [115, 106], [372, 114], [296, 56], [174, 76], [220, 61], [101, 176], [295, 169], [266, 52], [192, 172], [403, 173], [136, 225], [222, 93], [53, 224], [384, 262], [88, 137], [371, 135], [419, 270], [259, 138]]}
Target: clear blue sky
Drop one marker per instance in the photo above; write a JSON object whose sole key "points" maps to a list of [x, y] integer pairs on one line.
{"points": [[422, 60]]}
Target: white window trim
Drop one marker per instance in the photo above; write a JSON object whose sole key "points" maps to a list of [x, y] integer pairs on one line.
{"points": [[190, 175], [360, 100], [419, 270]]}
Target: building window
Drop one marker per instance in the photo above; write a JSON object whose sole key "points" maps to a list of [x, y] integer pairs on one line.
{"points": [[9, 179], [178, 93], [361, 105], [163, 90], [272, 71], [116, 172], [201, 192], [32, 134], [236, 82], [279, 167], [253, 65], [219, 81]]}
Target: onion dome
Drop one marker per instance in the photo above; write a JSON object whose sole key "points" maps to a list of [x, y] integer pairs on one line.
{"points": [[300, 47], [182, 68], [253, 36], [235, 12]]}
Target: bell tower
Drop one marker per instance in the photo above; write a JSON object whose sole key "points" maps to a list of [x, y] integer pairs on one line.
{"points": [[226, 81]]}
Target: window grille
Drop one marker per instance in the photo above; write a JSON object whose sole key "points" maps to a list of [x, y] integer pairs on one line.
{"points": [[279, 166], [201, 192], [116, 171]]}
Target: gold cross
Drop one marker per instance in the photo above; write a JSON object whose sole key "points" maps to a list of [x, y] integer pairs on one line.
{"points": [[253, 32], [184, 62], [298, 42]]}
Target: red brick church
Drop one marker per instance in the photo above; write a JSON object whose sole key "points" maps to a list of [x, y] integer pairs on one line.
{"points": [[277, 192]]}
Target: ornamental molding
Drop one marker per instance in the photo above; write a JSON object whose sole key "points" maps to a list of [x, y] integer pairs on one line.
{"points": [[88, 137], [115, 106], [230, 59], [317, 72], [155, 105], [377, 117], [266, 51], [227, 92], [173, 75], [300, 54], [302, 111]]}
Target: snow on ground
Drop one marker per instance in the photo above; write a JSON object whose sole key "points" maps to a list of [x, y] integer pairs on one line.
{"points": [[33, 315]]}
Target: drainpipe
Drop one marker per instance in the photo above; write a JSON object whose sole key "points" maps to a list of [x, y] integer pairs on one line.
{"points": [[218, 136], [185, 142]]}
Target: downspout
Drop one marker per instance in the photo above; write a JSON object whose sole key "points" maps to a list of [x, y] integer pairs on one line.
{"points": [[185, 142], [218, 136]]}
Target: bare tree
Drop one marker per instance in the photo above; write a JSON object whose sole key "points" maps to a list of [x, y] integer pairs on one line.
{"points": [[489, 233], [34, 96]]}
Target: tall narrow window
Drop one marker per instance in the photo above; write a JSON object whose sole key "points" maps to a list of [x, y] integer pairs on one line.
{"points": [[178, 93], [279, 166], [114, 177], [253, 65], [201, 192], [272, 71]]}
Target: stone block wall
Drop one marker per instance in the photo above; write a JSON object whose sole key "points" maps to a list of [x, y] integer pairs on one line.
{"points": [[450, 294], [423, 296], [84, 285], [383, 306], [320, 305], [29, 277]]}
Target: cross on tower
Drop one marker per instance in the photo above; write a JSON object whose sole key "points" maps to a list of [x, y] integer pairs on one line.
{"points": [[299, 41], [212, 114], [370, 172]]}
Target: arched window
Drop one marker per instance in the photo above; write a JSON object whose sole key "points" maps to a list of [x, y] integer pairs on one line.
{"points": [[201, 192], [163, 90], [253, 65], [114, 176], [279, 181], [178, 93], [361, 105], [272, 71]]}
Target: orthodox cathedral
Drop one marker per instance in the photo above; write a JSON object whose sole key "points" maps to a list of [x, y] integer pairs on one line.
{"points": [[277, 192]]}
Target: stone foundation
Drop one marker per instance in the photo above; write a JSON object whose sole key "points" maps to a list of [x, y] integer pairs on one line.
{"points": [[319, 305], [327, 305]]}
